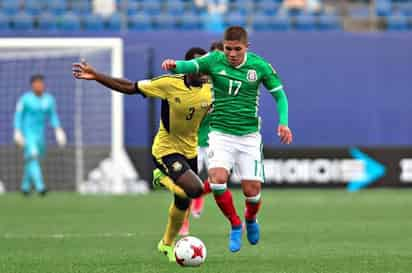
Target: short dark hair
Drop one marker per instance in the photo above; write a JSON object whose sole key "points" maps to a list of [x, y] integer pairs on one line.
{"points": [[36, 77], [216, 45], [190, 54], [236, 33]]}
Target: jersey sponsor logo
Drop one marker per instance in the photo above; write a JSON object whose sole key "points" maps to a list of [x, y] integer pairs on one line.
{"points": [[177, 100], [204, 104], [210, 153], [251, 75], [177, 166], [223, 73]]}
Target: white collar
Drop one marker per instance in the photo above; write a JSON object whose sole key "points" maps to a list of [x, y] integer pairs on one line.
{"points": [[244, 61]]}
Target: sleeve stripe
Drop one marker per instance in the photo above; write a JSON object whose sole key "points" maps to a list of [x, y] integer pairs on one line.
{"points": [[197, 66], [138, 88], [280, 87], [139, 83]]}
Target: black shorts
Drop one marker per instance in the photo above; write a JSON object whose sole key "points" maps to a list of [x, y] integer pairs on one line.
{"points": [[174, 165]]}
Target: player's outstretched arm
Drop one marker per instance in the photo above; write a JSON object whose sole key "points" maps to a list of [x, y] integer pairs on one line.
{"points": [[180, 67], [85, 71]]}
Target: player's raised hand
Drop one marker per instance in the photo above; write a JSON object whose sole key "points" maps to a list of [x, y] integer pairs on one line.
{"points": [[83, 71], [168, 64], [285, 134]]}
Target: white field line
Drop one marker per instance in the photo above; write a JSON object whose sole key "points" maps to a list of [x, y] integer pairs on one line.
{"points": [[66, 235]]}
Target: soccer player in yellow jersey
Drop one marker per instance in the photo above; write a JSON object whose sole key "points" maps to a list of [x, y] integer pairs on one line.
{"points": [[185, 101]]}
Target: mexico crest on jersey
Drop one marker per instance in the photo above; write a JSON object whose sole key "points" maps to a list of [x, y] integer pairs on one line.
{"points": [[251, 75]]}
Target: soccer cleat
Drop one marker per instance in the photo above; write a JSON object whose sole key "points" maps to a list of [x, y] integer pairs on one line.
{"points": [[235, 239], [25, 193], [166, 250], [253, 232], [43, 193], [157, 176]]}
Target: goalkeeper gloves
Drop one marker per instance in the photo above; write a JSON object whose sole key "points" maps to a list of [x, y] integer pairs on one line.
{"points": [[19, 138], [60, 137]]}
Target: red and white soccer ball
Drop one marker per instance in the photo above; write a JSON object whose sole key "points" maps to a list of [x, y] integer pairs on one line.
{"points": [[190, 251]]}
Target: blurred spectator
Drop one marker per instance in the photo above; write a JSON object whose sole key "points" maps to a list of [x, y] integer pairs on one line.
{"points": [[302, 5], [294, 4], [213, 6], [216, 9], [313, 5], [104, 7]]}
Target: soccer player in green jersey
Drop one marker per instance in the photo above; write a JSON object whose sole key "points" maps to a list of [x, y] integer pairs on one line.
{"points": [[234, 138]]}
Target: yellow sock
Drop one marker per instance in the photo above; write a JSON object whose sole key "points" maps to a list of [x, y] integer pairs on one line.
{"points": [[171, 186], [175, 221]]}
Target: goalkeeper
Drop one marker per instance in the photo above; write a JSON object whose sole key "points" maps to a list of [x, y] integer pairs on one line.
{"points": [[33, 110], [185, 102]]}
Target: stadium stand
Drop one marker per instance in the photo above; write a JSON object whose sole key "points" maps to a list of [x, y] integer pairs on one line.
{"points": [[4, 22], [397, 23], [57, 7], [190, 21], [305, 22], [47, 22], [22, 21], [258, 15], [114, 22], [139, 22], [33, 7], [10, 7], [165, 22], [69, 22], [93, 22]]}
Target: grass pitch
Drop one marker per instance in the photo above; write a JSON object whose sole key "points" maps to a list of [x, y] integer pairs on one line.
{"points": [[302, 231]]}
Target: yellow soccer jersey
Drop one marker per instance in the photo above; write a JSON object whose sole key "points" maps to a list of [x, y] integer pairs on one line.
{"points": [[183, 109]]}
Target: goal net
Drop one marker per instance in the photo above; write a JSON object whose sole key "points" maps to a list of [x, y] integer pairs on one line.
{"points": [[94, 161]]}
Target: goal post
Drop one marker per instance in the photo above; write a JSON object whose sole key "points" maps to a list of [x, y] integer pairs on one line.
{"points": [[84, 114]]}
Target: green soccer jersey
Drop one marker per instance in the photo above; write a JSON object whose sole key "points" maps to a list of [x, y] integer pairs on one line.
{"points": [[202, 135], [236, 90]]}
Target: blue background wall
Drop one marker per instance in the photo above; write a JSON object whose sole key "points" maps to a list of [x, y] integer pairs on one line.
{"points": [[343, 88]]}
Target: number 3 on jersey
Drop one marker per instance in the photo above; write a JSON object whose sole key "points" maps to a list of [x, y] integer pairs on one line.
{"points": [[234, 87], [191, 113]]}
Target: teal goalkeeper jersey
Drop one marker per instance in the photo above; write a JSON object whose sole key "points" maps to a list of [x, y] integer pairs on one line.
{"points": [[32, 114], [236, 91]]}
